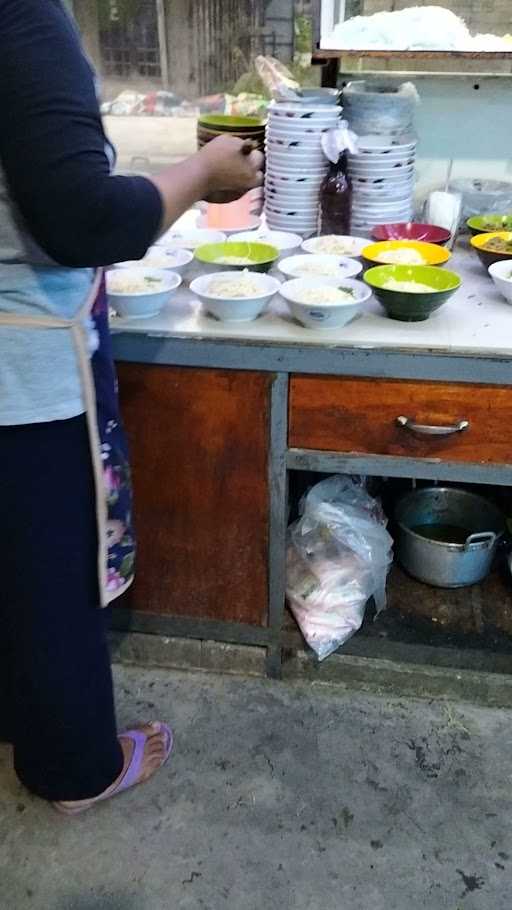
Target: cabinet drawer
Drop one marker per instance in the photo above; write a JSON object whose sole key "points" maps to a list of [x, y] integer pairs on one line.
{"points": [[361, 416]]}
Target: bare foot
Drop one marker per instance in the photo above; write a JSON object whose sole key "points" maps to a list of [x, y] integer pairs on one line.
{"points": [[154, 757]]}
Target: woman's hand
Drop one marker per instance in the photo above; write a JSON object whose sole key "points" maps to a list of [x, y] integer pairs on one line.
{"points": [[222, 171], [232, 168]]}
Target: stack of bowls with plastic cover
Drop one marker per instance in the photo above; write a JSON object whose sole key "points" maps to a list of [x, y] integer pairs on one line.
{"points": [[296, 164]]}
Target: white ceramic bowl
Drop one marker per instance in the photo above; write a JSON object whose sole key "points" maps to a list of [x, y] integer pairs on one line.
{"points": [[295, 225], [311, 133], [372, 211], [237, 309], [324, 315], [302, 113], [298, 163], [290, 223], [501, 274], [305, 208], [140, 304], [296, 124], [381, 170], [303, 231], [298, 267], [190, 239], [282, 240], [349, 246], [379, 206], [160, 257], [299, 177], [288, 142], [372, 144], [390, 154], [382, 190], [293, 194]]}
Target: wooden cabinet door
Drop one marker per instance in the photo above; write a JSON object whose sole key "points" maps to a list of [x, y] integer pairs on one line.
{"points": [[199, 441]]}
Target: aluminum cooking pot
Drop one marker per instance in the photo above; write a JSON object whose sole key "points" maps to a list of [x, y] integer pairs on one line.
{"points": [[441, 512]]}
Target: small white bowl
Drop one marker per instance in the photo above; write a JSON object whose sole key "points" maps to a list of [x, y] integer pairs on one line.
{"points": [[159, 257], [304, 213], [190, 239], [282, 240], [288, 158], [294, 125], [251, 225], [280, 142], [324, 315], [297, 267], [353, 246], [304, 231], [501, 274], [140, 304], [235, 309], [282, 175], [291, 200]]}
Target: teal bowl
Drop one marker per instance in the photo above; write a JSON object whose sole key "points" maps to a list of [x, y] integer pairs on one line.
{"points": [[412, 306]]}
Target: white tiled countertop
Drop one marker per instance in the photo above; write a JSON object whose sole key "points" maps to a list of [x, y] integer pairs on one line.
{"points": [[477, 320]]}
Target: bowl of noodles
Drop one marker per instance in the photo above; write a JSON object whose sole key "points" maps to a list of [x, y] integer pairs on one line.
{"points": [[258, 257], [235, 296], [138, 293], [411, 293], [495, 246], [326, 303]]}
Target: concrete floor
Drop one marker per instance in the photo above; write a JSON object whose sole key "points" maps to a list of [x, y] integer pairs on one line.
{"points": [[280, 796]]}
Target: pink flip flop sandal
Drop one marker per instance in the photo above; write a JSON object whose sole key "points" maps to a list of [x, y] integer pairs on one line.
{"points": [[131, 776]]}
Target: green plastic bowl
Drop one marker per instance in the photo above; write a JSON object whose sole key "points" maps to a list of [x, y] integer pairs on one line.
{"points": [[261, 256], [227, 123], [487, 224], [409, 306]]}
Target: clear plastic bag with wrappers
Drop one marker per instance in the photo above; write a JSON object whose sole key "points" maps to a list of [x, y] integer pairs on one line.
{"points": [[338, 556]]}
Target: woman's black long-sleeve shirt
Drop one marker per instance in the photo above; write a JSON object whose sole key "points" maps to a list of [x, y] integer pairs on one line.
{"points": [[53, 148]]}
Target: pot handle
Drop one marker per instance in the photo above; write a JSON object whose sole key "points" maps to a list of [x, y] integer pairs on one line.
{"points": [[426, 430], [488, 537]]}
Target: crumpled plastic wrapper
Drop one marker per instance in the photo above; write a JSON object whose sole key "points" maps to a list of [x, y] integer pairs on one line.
{"points": [[277, 79]]}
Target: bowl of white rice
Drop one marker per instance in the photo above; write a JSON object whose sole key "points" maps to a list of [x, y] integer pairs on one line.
{"points": [[235, 296], [326, 266], [326, 303], [160, 257], [139, 293]]}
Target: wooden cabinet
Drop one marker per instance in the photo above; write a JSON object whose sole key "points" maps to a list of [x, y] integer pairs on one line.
{"points": [[361, 416], [199, 443]]}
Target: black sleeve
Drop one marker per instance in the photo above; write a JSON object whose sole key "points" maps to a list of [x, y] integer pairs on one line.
{"points": [[53, 147]]}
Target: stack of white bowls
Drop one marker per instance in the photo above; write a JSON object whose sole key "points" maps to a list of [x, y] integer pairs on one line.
{"points": [[383, 179], [296, 164]]}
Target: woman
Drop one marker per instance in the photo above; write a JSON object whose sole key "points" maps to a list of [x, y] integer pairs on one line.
{"points": [[65, 539]]}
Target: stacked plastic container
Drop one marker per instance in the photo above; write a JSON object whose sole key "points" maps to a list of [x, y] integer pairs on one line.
{"points": [[296, 164], [383, 178]]}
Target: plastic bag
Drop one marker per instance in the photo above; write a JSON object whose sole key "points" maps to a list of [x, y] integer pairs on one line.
{"points": [[277, 79], [338, 556]]}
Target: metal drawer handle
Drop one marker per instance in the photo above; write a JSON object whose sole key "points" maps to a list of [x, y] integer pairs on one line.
{"points": [[424, 430]]}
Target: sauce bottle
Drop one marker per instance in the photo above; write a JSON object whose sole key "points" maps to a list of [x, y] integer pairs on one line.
{"points": [[336, 190], [336, 199]]}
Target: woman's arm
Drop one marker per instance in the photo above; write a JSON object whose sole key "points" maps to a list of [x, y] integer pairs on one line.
{"points": [[53, 150]]}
